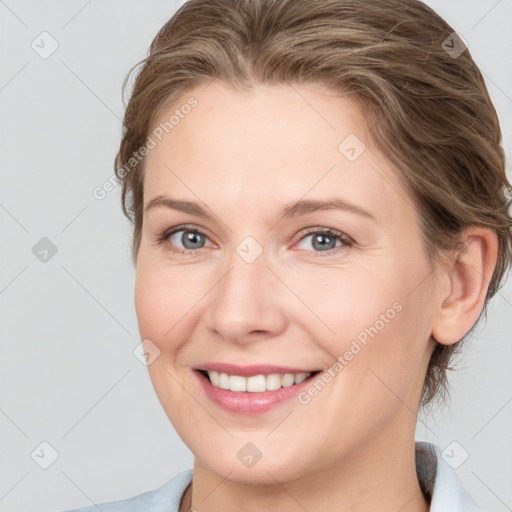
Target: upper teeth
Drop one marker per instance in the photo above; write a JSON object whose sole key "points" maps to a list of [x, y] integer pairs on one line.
{"points": [[257, 383]]}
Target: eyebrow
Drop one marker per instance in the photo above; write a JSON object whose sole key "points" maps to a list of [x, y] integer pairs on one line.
{"points": [[301, 207]]}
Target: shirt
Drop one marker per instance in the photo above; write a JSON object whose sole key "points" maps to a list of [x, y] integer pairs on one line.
{"points": [[437, 479]]}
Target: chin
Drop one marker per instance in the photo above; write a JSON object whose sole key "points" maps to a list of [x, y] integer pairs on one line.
{"points": [[262, 473], [261, 463]]}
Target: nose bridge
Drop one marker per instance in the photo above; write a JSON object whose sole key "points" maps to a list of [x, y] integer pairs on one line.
{"points": [[244, 300]]}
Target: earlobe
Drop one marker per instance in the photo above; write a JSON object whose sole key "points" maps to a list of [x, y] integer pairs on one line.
{"points": [[468, 280]]}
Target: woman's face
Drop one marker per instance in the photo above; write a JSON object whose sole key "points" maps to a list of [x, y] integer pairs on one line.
{"points": [[252, 287]]}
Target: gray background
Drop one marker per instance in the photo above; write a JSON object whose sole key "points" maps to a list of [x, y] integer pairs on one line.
{"points": [[68, 326]]}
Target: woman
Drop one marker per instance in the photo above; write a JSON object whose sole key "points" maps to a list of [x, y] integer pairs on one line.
{"points": [[321, 215]]}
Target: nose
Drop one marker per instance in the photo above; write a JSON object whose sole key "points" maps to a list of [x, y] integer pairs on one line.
{"points": [[247, 302]]}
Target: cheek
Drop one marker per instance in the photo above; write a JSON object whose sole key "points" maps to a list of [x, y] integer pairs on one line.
{"points": [[163, 317], [343, 305], [372, 324], [164, 304]]}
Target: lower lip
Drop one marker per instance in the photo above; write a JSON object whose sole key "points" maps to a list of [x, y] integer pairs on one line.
{"points": [[246, 402]]}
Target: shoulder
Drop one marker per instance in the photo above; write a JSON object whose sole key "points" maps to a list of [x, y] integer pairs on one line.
{"points": [[440, 481], [165, 498]]}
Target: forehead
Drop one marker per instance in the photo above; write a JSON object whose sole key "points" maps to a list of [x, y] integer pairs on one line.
{"points": [[278, 142]]}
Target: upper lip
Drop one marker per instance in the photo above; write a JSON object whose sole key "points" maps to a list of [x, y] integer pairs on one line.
{"points": [[251, 370]]}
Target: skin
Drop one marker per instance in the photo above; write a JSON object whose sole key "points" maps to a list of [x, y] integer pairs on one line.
{"points": [[243, 156]]}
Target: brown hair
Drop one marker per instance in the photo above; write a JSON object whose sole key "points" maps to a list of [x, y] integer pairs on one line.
{"points": [[428, 108]]}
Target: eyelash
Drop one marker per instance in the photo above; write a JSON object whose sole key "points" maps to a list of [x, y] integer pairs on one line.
{"points": [[347, 241]]}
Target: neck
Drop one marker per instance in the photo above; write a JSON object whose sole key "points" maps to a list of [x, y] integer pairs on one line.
{"points": [[381, 475]]}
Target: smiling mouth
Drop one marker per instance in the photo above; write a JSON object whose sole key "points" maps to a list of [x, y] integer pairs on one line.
{"points": [[256, 383]]}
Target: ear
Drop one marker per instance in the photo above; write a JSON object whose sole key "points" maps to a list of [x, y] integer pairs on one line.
{"points": [[461, 300]]}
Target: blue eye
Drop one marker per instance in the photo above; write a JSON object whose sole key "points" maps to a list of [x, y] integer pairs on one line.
{"points": [[324, 241], [191, 238]]}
